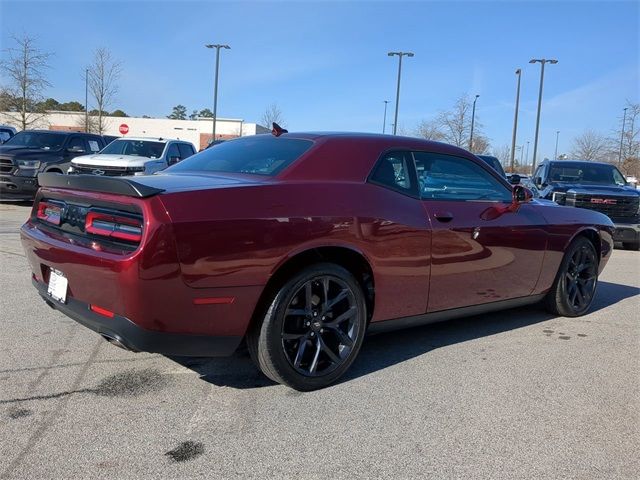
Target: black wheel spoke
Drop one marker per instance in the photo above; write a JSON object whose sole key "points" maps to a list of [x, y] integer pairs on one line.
{"points": [[314, 331]]}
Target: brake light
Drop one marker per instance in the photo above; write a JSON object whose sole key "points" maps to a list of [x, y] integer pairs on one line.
{"points": [[113, 226], [49, 212]]}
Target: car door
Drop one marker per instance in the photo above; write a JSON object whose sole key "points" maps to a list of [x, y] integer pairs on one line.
{"points": [[484, 247]]}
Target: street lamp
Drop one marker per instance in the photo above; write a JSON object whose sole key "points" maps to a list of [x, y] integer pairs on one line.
{"points": [[624, 120], [542, 62], [555, 155], [473, 119], [521, 155], [384, 121], [515, 122], [215, 88], [400, 55], [86, 100], [526, 158]]}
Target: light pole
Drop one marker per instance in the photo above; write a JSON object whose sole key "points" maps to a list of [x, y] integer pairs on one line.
{"points": [[515, 121], [624, 120], [542, 62], [215, 87], [555, 155], [400, 55], [384, 121], [473, 120], [86, 100], [521, 154], [526, 158]]}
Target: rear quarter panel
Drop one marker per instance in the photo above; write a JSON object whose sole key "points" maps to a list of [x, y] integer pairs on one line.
{"points": [[239, 236]]}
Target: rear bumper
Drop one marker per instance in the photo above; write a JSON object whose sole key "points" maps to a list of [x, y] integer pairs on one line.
{"points": [[626, 232], [138, 339]]}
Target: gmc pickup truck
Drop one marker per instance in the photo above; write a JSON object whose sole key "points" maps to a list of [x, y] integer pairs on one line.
{"points": [[594, 186]]}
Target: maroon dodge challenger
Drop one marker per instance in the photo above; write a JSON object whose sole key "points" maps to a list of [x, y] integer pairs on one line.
{"points": [[299, 244]]}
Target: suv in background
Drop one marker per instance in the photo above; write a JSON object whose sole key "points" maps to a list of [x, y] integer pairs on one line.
{"points": [[31, 152], [133, 156], [6, 132], [494, 163], [595, 186]]}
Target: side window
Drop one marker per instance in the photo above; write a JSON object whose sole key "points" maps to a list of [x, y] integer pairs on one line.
{"points": [[172, 153], [539, 173], [446, 177], [94, 145], [78, 144], [393, 171], [186, 150]]}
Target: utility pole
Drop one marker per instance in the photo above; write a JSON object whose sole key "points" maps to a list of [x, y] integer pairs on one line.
{"points": [[215, 87], [542, 62], [400, 55], [86, 100], [515, 122], [384, 121], [624, 120], [555, 155], [473, 120]]}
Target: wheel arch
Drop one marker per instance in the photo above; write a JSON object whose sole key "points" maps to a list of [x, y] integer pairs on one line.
{"points": [[348, 257], [591, 234]]}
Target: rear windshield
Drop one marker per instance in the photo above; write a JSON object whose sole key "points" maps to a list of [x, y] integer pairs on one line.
{"points": [[43, 140], [258, 154], [139, 148]]}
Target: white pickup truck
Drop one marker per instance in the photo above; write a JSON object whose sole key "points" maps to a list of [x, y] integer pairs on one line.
{"points": [[133, 156]]}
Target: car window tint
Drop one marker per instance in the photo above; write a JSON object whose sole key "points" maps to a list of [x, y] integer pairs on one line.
{"points": [[77, 143], [392, 170], [186, 150], [173, 151], [256, 154], [447, 177]]}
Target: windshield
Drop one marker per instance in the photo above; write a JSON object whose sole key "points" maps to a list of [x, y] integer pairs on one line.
{"points": [[586, 173], [259, 154], [43, 140], [138, 148]]}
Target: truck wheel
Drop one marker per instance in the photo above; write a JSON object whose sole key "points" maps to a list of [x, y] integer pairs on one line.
{"points": [[631, 245], [313, 329], [575, 285]]}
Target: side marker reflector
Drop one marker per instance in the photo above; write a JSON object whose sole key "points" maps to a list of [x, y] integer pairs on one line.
{"points": [[214, 301], [101, 311]]}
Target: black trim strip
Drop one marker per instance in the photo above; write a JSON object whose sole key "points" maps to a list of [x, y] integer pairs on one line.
{"points": [[443, 315], [96, 183]]}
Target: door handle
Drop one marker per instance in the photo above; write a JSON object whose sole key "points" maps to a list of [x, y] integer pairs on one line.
{"points": [[443, 216]]}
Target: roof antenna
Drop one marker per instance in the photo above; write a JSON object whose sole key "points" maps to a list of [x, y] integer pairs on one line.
{"points": [[277, 130]]}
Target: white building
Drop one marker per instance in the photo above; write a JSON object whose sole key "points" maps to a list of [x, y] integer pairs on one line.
{"points": [[199, 131]]}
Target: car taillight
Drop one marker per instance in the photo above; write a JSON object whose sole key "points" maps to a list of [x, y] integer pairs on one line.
{"points": [[113, 226], [49, 212]]}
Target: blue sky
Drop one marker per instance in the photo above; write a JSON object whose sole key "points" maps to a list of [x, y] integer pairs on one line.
{"points": [[325, 63]]}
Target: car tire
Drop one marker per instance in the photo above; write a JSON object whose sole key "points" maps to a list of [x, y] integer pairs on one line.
{"points": [[575, 284], [631, 245], [313, 328]]}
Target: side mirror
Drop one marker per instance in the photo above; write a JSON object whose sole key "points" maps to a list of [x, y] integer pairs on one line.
{"points": [[538, 181], [521, 194], [515, 179], [173, 160]]}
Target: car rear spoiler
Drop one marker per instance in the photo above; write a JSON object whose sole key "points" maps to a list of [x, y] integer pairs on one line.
{"points": [[95, 183]]}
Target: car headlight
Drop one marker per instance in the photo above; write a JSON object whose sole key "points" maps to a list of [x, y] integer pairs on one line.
{"points": [[28, 164]]}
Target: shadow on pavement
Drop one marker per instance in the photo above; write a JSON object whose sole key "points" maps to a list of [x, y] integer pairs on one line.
{"points": [[387, 349]]}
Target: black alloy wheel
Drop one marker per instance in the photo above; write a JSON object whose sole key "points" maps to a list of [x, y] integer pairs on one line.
{"points": [[575, 285], [313, 328]]}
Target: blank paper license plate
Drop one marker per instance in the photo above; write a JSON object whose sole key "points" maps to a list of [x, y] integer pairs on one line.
{"points": [[58, 286]]}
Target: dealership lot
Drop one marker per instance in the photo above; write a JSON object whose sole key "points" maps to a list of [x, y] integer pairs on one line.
{"points": [[516, 394]]}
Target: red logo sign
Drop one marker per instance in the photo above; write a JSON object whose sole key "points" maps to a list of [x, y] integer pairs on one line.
{"points": [[604, 201], [124, 129]]}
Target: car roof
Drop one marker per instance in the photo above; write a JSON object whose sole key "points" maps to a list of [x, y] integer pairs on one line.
{"points": [[152, 139], [576, 162], [61, 132]]}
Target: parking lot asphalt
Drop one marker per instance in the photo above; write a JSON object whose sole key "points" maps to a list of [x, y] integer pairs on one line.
{"points": [[516, 394]]}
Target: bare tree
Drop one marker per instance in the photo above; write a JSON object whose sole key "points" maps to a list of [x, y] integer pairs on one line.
{"points": [[103, 82], [590, 145], [273, 114], [25, 68], [503, 154], [631, 137], [454, 127]]}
